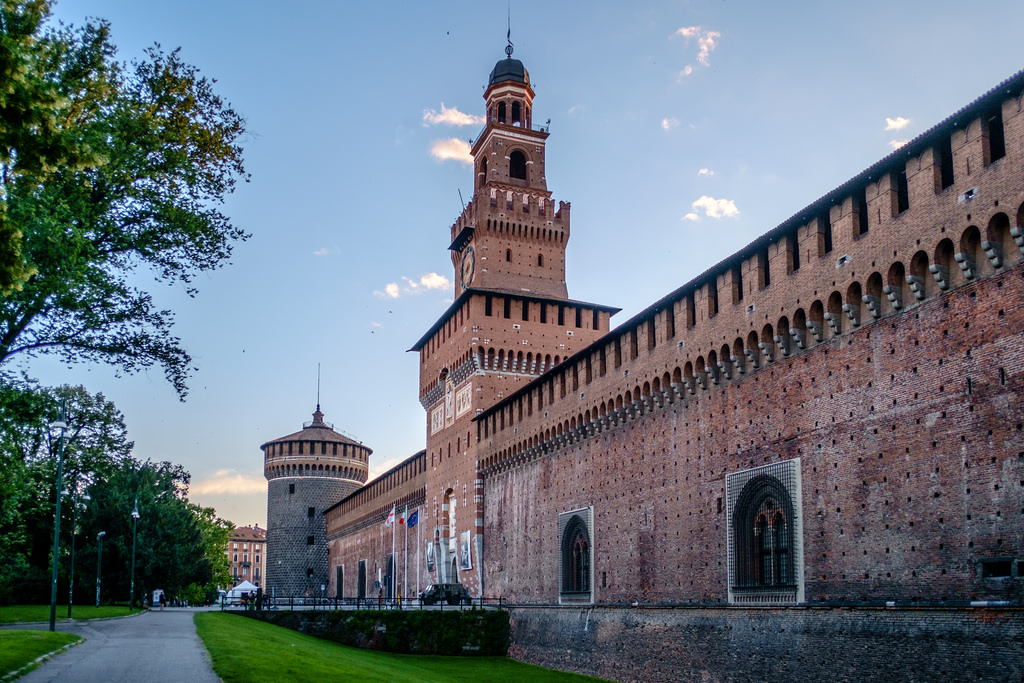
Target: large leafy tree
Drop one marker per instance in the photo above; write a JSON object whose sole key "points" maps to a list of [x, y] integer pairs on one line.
{"points": [[145, 154], [179, 546], [94, 445]]}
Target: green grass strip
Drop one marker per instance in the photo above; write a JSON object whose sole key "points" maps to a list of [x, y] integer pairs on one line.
{"points": [[41, 613], [20, 649], [248, 650]]}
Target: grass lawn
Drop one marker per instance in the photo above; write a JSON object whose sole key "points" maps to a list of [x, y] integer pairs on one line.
{"points": [[32, 613], [243, 649], [18, 648]]}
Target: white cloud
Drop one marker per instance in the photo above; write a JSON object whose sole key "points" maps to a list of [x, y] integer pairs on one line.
{"points": [[896, 144], [705, 171], [322, 251], [898, 123], [687, 70], [691, 217], [231, 482], [669, 123], [575, 108], [379, 468], [450, 117], [706, 42], [452, 149], [435, 281], [394, 290], [716, 208]]}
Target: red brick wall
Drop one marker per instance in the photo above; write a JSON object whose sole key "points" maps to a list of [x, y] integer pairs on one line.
{"points": [[908, 426]]}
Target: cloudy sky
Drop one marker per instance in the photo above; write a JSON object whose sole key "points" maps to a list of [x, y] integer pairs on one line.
{"points": [[680, 131]]}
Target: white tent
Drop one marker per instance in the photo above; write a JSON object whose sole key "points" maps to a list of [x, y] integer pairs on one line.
{"points": [[237, 591]]}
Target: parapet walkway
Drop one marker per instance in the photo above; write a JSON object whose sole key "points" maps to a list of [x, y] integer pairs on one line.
{"points": [[153, 646]]}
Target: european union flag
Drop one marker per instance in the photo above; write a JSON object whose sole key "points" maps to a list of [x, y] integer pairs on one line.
{"points": [[414, 518]]}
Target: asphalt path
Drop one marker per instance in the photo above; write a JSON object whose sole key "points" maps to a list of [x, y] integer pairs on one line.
{"points": [[153, 646]]}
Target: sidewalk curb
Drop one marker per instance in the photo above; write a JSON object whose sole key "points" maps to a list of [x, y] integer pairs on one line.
{"points": [[12, 675], [70, 622]]}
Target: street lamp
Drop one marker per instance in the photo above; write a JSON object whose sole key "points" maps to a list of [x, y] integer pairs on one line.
{"points": [[74, 527], [99, 563], [135, 529], [61, 425]]}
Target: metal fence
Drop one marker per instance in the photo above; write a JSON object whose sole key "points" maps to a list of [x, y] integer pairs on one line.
{"points": [[378, 603]]}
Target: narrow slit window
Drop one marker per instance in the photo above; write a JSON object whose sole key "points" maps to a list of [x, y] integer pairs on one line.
{"points": [[861, 206], [902, 191], [944, 162], [995, 142], [824, 233]]}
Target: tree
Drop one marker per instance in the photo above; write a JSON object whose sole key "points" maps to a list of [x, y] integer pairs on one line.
{"points": [[155, 152], [95, 442], [180, 546], [32, 137]]}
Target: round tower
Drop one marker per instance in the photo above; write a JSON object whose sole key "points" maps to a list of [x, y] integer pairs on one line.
{"points": [[307, 472]]}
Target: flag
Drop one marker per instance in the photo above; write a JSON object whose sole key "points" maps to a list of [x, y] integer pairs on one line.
{"points": [[414, 518], [390, 521], [405, 514]]}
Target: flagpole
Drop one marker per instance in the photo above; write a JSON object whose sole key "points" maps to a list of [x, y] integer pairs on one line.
{"points": [[419, 549], [405, 554], [394, 567]]}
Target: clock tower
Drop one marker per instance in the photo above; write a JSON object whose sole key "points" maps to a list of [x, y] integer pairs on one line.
{"points": [[511, 321], [511, 238]]}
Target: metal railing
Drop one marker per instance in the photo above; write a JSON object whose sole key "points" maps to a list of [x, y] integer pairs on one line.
{"points": [[377, 603]]}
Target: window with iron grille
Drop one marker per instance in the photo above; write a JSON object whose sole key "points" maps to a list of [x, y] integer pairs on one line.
{"points": [[575, 557], [765, 535]]}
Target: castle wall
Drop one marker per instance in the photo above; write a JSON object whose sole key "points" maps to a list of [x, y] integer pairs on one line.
{"points": [[909, 478], [793, 288], [708, 644], [356, 534]]}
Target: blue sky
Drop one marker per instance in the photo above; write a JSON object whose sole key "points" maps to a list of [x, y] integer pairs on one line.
{"points": [[680, 131]]}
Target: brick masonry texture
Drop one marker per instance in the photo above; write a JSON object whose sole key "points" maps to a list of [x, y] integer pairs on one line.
{"points": [[289, 554], [908, 479], [876, 338], [667, 645]]}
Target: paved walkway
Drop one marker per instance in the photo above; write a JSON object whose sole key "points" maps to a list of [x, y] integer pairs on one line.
{"points": [[153, 646]]}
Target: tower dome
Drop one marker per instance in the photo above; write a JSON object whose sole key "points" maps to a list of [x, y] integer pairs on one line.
{"points": [[307, 472], [509, 69]]}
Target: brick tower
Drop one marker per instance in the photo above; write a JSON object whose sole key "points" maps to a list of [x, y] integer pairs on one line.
{"points": [[511, 320], [306, 472]]}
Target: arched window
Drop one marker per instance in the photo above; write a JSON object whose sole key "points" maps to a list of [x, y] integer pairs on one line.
{"points": [[762, 530], [501, 112], [576, 557], [516, 113], [517, 165], [508, 254], [540, 260]]}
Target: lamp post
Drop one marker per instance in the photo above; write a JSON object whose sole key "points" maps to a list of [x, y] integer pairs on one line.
{"points": [[99, 563], [135, 529], [61, 425], [74, 527]]}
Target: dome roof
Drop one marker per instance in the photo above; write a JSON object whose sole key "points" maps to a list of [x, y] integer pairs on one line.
{"points": [[317, 430], [509, 70]]}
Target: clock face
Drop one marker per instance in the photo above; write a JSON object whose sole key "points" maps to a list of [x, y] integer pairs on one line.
{"points": [[467, 267]]}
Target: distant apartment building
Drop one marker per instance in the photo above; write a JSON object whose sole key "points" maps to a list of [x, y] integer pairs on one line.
{"points": [[246, 550]]}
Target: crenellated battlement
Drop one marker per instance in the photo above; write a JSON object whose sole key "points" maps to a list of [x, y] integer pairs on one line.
{"points": [[943, 212]]}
